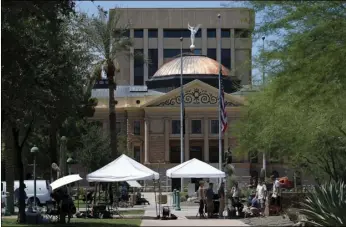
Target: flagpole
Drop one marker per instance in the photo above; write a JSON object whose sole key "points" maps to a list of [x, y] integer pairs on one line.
{"points": [[181, 112], [220, 68]]}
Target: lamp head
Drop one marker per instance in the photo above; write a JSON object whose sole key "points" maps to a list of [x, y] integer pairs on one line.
{"points": [[63, 138], [219, 16], [34, 149], [181, 38], [263, 38]]}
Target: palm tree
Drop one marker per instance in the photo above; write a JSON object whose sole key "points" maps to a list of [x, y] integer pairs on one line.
{"points": [[107, 39]]}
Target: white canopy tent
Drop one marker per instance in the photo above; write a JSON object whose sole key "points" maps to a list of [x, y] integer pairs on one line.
{"points": [[194, 168], [134, 184], [122, 169]]}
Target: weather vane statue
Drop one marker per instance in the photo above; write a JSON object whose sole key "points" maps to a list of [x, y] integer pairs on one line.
{"points": [[193, 31]]}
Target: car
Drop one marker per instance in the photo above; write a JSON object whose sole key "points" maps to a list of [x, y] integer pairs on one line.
{"points": [[42, 191]]}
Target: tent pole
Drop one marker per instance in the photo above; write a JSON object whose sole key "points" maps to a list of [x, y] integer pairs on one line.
{"points": [[155, 198]]}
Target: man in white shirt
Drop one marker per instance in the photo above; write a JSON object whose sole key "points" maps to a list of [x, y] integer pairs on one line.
{"points": [[276, 191], [261, 194]]}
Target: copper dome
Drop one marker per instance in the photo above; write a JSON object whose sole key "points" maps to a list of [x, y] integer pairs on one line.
{"points": [[192, 65]]}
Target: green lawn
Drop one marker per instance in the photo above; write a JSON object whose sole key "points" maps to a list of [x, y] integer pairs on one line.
{"points": [[79, 222]]}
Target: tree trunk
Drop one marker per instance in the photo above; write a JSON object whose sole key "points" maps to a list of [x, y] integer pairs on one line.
{"points": [[17, 149], [22, 217], [10, 167], [112, 114]]}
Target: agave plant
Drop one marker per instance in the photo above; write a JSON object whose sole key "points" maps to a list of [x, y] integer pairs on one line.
{"points": [[326, 205]]}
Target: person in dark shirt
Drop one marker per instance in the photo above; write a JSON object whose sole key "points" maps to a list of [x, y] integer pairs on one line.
{"points": [[17, 195], [210, 203], [221, 193]]}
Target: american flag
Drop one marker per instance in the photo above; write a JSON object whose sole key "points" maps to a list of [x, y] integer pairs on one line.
{"points": [[223, 113]]}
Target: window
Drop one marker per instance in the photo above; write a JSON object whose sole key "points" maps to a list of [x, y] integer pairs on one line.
{"points": [[153, 66], [211, 53], [196, 152], [211, 33], [118, 127], [138, 68], [170, 53], [137, 153], [138, 33], [226, 58], [152, 33], [241, 33], [225, 33], [197, 51], [174, 155], [177, 33], [196, 126], [137, 128], [214, 153], [214, 126], [175, 126]]}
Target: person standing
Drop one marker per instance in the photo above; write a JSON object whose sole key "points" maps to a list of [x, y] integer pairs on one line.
{"points": [[19, 196], [235, 197], [210, 203], [261, 193], [221, 193], [201, 197], [276, 192]]}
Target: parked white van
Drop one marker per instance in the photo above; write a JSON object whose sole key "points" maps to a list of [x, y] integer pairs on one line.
{"points": [[42, 190]]}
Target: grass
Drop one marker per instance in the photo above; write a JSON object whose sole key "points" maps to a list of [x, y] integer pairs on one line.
{"points": [[80, 222]]}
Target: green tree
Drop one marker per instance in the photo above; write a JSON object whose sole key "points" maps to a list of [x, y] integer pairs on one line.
{"points": [[300, 112], [39, 60], [94, 151]]}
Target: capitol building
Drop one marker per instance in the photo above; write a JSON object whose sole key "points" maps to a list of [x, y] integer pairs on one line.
{"points": [[148, 95]]}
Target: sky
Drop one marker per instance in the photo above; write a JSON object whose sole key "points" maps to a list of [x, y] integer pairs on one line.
{"points": [[91, 8]]}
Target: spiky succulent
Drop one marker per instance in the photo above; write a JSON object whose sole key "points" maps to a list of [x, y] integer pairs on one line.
{"points": [[326, 205]]}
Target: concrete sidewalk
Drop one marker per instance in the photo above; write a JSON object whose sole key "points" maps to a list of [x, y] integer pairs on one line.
{"points": [[150, 212], [199, 222]]}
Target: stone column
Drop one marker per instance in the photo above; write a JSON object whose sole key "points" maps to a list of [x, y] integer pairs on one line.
{"points": [[233, 52], [132, 60], [187, 139], [167, 140], [145, 52], [160, 46], [218, 37], [204, 41], [206, 139], [146, 141]]}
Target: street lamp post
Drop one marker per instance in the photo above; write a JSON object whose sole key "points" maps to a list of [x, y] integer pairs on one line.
{"points": [[264, 160], [69, 162], [34, 150]]}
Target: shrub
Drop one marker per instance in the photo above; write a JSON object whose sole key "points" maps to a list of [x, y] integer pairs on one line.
{"points": [[326, 205]]}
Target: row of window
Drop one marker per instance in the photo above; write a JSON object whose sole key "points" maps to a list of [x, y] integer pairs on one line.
{"points": [[174, 155], [170, 53], [196, 127], [185, 33], [195, 152]]}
